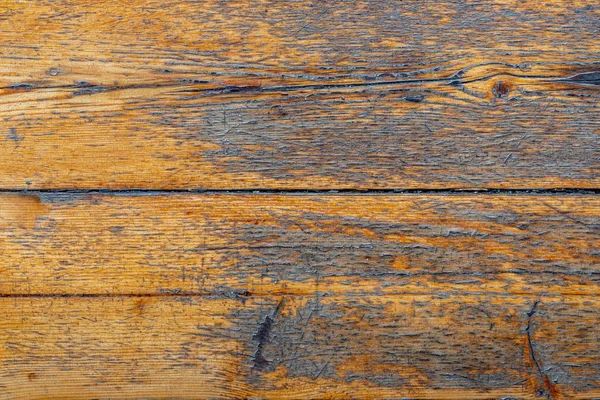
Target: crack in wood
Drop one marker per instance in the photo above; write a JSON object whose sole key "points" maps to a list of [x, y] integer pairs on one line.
{"points": [[546, 387], [263, 337]]}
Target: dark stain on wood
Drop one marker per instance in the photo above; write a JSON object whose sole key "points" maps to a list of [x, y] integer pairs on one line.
{"points": [[263, 338]]}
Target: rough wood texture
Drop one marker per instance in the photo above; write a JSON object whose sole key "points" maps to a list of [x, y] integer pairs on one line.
{"points": [[181, 290], [266, 244], [319, 95], [459, 347]]}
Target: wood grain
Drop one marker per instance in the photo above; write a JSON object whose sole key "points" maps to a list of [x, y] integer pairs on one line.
{"points": [[128, 271], [243, 245], [299, 95], [421, 346]]}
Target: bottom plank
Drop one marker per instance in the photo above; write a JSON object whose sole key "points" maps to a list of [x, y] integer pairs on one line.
{"points": [[318, 346]]}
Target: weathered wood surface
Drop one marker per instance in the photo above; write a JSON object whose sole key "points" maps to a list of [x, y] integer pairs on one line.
{"points": [[318, 95], [240, 245], [165, 293], [415, 346]]}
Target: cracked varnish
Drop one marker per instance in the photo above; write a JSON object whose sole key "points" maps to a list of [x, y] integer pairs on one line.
{"points": [[295, 346], [260, 94]]}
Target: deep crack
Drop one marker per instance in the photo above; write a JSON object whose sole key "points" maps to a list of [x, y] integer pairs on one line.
{"points": [[546, 388], [263, 337]]}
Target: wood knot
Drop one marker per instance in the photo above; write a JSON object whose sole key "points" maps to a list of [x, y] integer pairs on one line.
{"points": [[500, 89]]}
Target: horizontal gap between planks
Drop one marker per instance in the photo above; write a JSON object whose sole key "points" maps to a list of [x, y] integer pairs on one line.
{"points": [[243, 296], [158, 192]]}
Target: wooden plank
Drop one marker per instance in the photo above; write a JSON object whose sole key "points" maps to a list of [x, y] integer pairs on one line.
{"points": [[257, 94], [240, 245], [477, 347]]}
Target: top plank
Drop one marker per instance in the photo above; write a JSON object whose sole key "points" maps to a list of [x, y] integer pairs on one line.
{"points": [[177, 94]]}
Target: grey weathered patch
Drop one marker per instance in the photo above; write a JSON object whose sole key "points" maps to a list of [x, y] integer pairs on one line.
{"points": [[327, 337], [313, 246], [14, 135], [21, 86], [55, 71], [61, 198], [589, 78], [366, 141]]}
